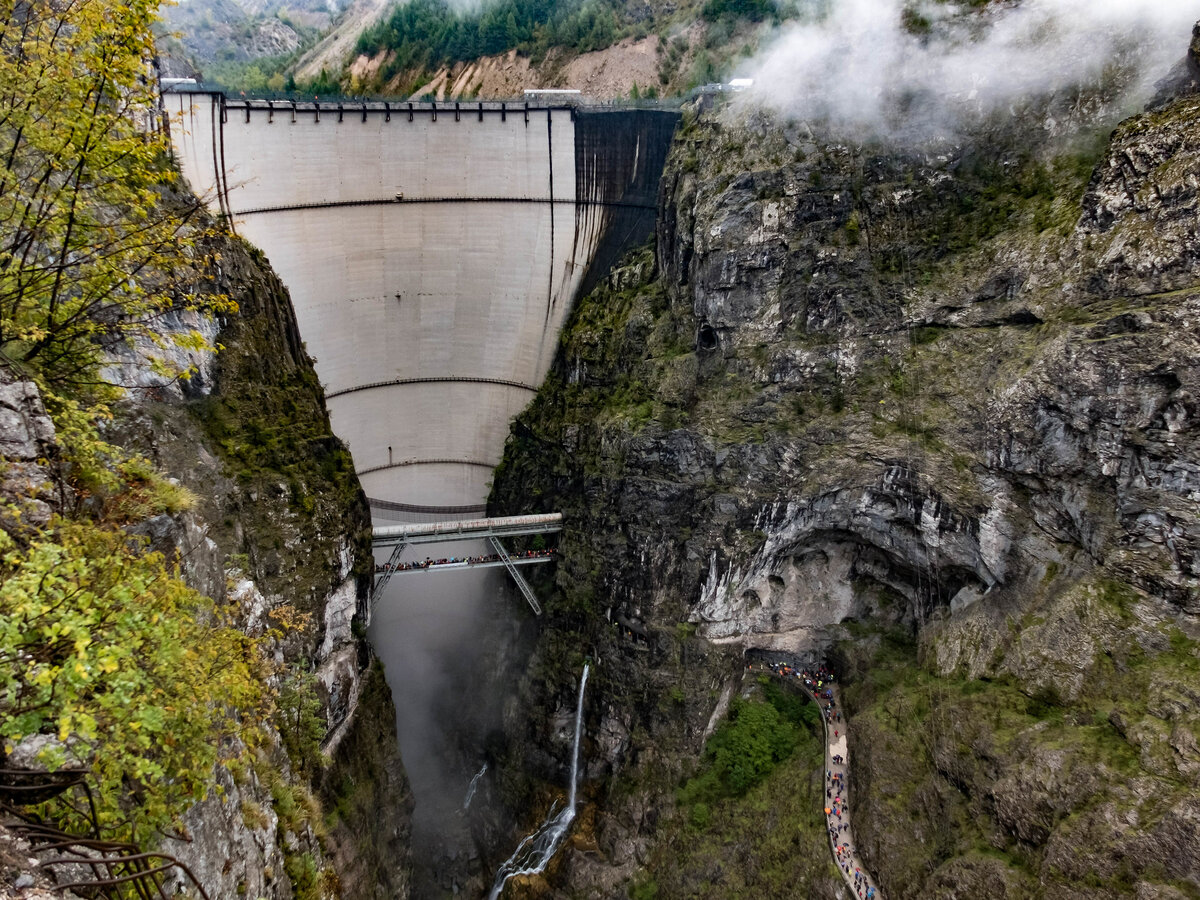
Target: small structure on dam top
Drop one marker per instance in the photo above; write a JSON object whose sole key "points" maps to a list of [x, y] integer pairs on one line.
{"points": [[432, 252]]}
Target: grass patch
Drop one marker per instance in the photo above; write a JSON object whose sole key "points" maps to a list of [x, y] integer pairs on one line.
{"points": [[749, 823]]}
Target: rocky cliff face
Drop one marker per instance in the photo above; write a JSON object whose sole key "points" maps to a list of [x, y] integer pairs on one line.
{"points": [[281, 524], [223, 31], [280, 534], [931, 416]]}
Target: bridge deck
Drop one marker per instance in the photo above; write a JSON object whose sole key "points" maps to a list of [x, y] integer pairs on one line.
{"points": [[490, 564], [470, 529]]}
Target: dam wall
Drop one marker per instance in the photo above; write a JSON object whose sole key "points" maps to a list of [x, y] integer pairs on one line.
{"points": [[432, 254]]}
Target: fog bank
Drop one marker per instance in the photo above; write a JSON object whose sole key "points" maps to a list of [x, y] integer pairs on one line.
{"points": [[897, 69]]}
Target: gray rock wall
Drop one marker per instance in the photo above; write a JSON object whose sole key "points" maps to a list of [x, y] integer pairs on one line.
{"points": [[280, 524], [27, 451], [930, 416]]}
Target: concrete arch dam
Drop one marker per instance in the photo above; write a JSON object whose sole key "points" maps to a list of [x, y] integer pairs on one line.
{"points": [[432, 252]]}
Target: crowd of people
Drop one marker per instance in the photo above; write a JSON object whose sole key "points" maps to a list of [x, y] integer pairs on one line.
{"points": [[461, 560], [845, 858], [819, 684], [835, 786]]}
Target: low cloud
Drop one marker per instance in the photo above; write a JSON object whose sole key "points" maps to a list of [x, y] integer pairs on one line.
{"points": [[863, 70]]}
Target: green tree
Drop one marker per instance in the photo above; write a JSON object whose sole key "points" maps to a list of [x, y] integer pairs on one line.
{"points": [[747, 747], [107, 658], [754, 10], [513, 34], [300, 721], [492, 32], [90, 255], [132, 673], [743, 750], [253, 79]]}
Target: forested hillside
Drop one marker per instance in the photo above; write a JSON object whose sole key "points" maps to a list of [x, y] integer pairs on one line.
{"points": [[404, 49], [422, 35]]}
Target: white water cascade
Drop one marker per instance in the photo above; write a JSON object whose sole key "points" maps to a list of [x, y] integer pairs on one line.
{"points": [[471, 787], [536, 850]]}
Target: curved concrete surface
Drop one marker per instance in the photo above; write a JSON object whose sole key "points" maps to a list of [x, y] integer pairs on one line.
{"points": [[431, 259]]}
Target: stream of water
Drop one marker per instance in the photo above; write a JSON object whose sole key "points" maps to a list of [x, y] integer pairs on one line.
{"points": [[471, 787], [536, 850]]}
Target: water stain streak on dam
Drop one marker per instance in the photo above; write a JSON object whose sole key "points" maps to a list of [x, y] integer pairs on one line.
{"points": [[432, 255]]}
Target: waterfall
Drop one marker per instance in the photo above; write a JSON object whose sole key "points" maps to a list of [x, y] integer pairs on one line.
{"points": [[536, 850], [575, 746], [472, 785]]}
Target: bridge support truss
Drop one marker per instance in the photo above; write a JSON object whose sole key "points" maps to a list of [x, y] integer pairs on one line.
{"points": [[522, 584], [390, 566], [401, 537]]}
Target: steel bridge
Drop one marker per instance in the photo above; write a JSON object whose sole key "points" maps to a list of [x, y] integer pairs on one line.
{"points": [[400, 537]]}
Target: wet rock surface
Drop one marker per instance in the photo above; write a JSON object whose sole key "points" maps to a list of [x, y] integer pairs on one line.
{"points": [[930, 416], [280, 532], [21, 877], [27, 450]]}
